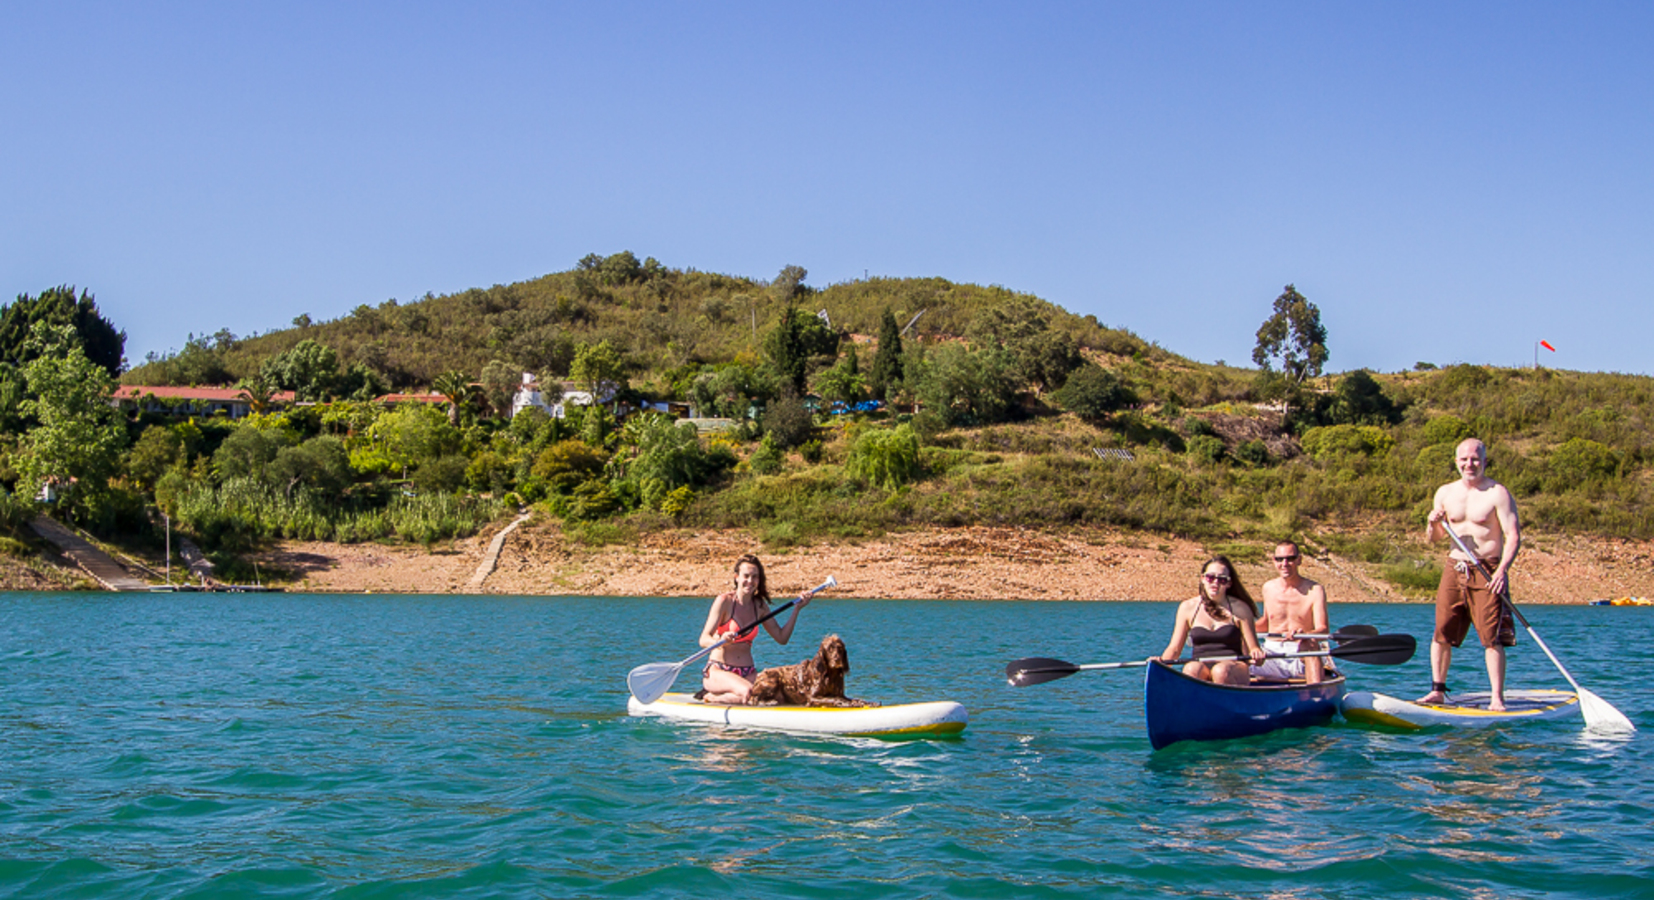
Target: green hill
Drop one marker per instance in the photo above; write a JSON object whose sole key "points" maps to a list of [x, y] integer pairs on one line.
{"points": [[997, 409]]}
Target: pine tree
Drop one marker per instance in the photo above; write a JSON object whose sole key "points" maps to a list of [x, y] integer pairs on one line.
{"points": [[887, 362]]}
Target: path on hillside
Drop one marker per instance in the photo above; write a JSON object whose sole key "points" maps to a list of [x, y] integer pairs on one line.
{"points": [[96, 563], [491, 558]]}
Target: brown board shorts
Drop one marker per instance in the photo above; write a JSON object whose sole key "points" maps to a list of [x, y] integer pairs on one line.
{"points": [[1462, 598]]}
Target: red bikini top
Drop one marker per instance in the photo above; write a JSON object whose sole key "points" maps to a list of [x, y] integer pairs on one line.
{"points": [[730, 628]]}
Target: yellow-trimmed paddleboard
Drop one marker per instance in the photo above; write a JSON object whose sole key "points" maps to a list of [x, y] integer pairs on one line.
{"points": [[934, 719], [1469, 709]]}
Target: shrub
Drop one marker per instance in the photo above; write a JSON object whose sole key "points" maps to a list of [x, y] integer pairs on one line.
{"points": [[767, 459], [1364, 440], [1445, 429], [1206, 448], [1579, 460], [886, 457], [788, 422], [1092, 392], [1253, 452]]}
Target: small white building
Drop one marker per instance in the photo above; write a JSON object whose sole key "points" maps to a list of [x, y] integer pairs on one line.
{"points": [[529, 394]]}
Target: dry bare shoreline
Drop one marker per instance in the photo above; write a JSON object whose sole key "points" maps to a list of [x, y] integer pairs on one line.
{"points": [[967, 563]]}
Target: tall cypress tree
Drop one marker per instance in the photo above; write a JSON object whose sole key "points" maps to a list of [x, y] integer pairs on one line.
{"points": [[887, 362], [102, 343]]}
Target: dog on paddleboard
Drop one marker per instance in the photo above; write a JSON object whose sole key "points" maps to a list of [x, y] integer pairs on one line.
{"points": [[818, 681]]}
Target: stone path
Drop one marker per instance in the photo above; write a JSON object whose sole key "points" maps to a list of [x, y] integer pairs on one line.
{"points": [[98, 564], [491, 558]]}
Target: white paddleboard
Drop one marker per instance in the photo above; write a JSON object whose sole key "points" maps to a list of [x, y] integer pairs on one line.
{"points": [[1468, 709], [942, 717]]}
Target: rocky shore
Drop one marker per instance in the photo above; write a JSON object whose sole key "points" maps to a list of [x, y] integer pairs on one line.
{"points": [[975, 563], [970, 563]]}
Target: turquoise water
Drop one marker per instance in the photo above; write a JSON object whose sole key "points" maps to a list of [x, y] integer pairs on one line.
{"points": [[381, 746]]}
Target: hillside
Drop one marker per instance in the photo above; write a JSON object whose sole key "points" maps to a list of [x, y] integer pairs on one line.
{"points": [[998, 410]]}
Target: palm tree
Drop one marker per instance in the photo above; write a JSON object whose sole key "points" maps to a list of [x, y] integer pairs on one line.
{"points": [[458, 391], [259, 393]]}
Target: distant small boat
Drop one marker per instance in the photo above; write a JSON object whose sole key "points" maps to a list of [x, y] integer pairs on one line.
{"points": [[1468, 709], [1180, 708]]}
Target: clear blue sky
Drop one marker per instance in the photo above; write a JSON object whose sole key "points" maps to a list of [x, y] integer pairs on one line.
{"points": [[1449, 182]]}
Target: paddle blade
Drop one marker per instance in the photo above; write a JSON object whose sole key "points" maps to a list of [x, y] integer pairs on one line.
{"points": [[1350, 632], [651, 681], [1037, 670], [1600, 715], [1381, 650]]}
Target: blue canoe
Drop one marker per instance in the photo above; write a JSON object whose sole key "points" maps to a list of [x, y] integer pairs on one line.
{"points": [[1181, 708]]}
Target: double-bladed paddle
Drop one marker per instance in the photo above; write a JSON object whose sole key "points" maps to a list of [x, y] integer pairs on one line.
{"points": [[1378, 650], [651, 681], [1600, 715], [1348, 632]]}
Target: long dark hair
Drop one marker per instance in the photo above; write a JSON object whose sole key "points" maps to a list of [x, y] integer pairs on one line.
{"points": [[1236, 589], [762, 595]]}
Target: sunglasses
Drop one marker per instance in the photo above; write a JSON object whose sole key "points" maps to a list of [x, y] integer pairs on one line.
{"points": [[1217, 579], [1286, 558]]}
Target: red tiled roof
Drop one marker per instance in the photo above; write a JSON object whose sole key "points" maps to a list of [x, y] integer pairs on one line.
{"points": [[216, 394]]}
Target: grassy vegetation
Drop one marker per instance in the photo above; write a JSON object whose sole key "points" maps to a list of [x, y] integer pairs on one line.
{"points": [[1349, 460]]}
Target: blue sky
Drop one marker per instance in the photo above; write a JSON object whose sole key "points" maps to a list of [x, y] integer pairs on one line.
{"points": [[1447, 182]]}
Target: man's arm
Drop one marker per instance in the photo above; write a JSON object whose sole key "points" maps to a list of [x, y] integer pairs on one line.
{"points": [[1510, 527]]}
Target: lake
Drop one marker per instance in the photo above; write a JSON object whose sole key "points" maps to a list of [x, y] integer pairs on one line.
{"points": [[441, 746]]}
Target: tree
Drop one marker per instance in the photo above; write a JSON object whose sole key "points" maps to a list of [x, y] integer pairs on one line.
{"points": [[96, 337], [787, 283], [1360, 400], [457, 390], [1292, 337], [1041, 356], [886, 373], [320, 463], [79, 436], [500, 381], [1092, 392], [599, 369], [795, 343], [259, 392], [309, 370]]}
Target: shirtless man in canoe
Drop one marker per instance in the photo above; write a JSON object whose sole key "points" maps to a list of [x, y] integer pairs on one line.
{"points": [[1483, 514], [1292, 605]]}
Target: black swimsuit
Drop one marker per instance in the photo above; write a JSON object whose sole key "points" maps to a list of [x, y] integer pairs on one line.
{"points": [[1224, 640]]}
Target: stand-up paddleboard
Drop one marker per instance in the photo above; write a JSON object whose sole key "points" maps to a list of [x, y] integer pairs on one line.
{"points": [[1468, 709], [934, 719]]}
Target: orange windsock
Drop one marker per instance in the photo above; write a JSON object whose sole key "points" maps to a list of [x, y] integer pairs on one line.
{"points": [[1547, 346]]}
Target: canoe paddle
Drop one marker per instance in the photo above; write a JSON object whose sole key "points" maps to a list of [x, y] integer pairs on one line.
{"points": [[1378, 650], [1600, 715], [650, 681]]}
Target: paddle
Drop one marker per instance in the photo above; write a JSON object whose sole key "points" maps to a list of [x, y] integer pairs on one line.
{"points": [[1378, 650], [1348, 632], [649, 682], [1600, 715]]}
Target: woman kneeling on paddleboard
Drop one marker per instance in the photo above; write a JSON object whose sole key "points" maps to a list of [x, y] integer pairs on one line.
{"points": [[730, 670], [1217, 625]]}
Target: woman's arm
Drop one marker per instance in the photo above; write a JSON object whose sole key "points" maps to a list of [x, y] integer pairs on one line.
{"points": [[1249, 638], [717, 615], [1180, 633], [784, 633]]}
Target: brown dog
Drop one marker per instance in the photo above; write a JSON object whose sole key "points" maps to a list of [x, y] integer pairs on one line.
{"points": [[818, 681]]}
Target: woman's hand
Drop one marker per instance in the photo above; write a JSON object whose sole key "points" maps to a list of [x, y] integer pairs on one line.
{"points": [[803, 601]]}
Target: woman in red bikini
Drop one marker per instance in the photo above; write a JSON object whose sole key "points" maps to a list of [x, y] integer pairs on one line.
{"points": [[729, 672]]}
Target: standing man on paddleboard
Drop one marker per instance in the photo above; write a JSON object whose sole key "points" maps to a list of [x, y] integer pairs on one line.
{"points": [[1483, 513], [1292, 605]]}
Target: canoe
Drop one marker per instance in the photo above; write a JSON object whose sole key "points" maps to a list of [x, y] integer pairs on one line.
{"points": [[933, 719], [1468, 709], [1180, 708]]}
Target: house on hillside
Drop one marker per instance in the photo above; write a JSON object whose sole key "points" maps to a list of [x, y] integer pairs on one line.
{"points": [[190, 401], [530, 394]]}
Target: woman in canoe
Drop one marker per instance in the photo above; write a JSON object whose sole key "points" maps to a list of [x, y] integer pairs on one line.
{"points": [[729, 672], [1219, 622]]}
